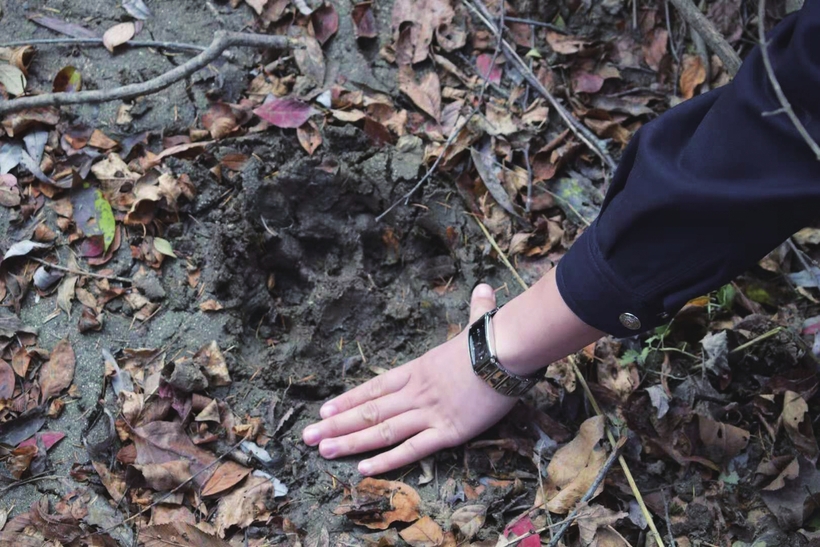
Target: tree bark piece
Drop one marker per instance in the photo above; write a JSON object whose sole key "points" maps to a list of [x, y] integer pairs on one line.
{"points": [[222, 41]]}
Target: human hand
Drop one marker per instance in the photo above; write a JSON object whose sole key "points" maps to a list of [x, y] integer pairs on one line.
{"points": [[430, 403]]}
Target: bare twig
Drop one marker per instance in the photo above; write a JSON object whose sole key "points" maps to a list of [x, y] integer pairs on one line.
{"points": [[99, 42], [535, 23], [80, 272], [713, 38], [580, 131], [613, 456], [451, 139], [765, 336], [498, 250], [786, 107], [222, 41]]}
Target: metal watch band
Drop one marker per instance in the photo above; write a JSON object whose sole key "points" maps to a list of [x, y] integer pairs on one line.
{"points": [[486, 365]]}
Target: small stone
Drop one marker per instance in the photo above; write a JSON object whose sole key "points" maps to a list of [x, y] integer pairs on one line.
{"points": [[149, 283], [186, 377]]}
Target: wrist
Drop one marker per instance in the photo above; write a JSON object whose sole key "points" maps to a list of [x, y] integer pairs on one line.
{"points": [[537, 328]]}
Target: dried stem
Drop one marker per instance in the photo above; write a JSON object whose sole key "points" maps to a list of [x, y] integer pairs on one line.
{"points": [[222, 41], [710, 34], [99, 42], [786, 107], [80, 272]]}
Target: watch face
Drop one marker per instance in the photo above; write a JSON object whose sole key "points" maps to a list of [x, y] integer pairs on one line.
{"points": [[488, 326]]}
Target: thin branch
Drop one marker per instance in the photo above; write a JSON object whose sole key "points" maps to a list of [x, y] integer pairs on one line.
{"points": [[585, 135], [498, 250], [590, 493], [535, 23], [222, 41], [80, 272], [710, 34], [781, 97], [99, 42]]}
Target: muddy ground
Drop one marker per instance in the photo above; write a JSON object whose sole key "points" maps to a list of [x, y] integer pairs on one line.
{"points": [[343, 301]]}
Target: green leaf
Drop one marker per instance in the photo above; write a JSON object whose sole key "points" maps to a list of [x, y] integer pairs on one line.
{"points": [[164, 247], [630, 356], [12, 79], [68, 80], [534, 53], [105, 218]]}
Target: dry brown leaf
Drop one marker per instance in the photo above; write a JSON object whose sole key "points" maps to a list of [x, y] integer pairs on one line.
{"points": [[469, 519], [7, 381], [693, 74], [58, 373], [574, 467], [226, 476], [310, 59], [565, 44], [100, 140], [420, 20], [118, 35], [722, 441], [426, 93], [210, 305], [244, 506], [179, 534], [161, 442], [378, 503], [425, 532], [796, 421], [211, 360], [20, 459], [257, 5], [309, 136], [163, 476], [593, 520], [621, 379], [655, 47]]}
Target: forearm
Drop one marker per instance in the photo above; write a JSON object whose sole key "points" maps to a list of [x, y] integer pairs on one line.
{"points": [[537, 328]]}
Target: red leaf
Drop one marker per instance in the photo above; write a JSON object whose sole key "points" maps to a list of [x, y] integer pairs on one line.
{"points": [[365, 21], [325, 23], [50, 438], [287, 113], [585, 82], [523, 527], [6, 380], [493, 73]]}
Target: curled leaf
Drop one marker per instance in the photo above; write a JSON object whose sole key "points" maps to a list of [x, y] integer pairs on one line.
{"points": [[164, 247], [118, 35], [12, 79]]}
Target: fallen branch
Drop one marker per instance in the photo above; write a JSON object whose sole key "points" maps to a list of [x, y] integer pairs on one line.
{"points": [[590, 493], [99, 42], [710, 34], [785, 105], [585, 135], [222, 41], [80, 272]]}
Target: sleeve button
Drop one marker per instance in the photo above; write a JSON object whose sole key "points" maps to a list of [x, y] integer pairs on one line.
{"points": [[630, 321]]}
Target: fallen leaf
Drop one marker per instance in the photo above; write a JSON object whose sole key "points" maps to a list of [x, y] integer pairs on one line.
{"points": [[100, 140], [486, 70], [9, 191], [244, 506], [798, 424], [13, 79], [94, 216], [17, 430], [19, 460], [655, 48], [58, 372], [49, 439], [257, 5], [523, 527], [68, 80], [469, 519], [693, 74], [564, 43], [210, 305], [226, 476], [378, 503], [422, 20], [10, 156], [65, 294], [286, 113], [586, 82], [722, 441], [118, 35], [425, 93], [137, 9], [484, 161], [325, 22], [364, 22], [162, 477], [182, 534], [18, 123], [593, 520], [793, 503], [309, 136], [574, 467], [212, 361], [35, 142], [163, 246], [161, 442], [310, 59], [63, 27], [659, 398], [425, 532], [7, 381]]}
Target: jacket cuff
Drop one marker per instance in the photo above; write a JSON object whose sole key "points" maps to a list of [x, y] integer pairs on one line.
{"points": [[599, 297]]}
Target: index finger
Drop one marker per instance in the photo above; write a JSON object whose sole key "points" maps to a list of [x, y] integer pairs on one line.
{"points": [[383, 384]]}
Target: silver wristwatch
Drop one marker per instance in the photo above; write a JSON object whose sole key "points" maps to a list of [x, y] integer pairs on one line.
{"points": [[485, 362]]}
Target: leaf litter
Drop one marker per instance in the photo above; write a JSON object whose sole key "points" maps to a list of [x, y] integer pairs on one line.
{"points": [[713, 403]]}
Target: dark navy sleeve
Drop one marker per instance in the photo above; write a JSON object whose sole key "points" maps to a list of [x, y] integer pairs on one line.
{"points": [[703, 191]]}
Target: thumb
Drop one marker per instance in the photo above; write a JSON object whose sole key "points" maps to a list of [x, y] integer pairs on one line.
{"points": [[483, 300]]}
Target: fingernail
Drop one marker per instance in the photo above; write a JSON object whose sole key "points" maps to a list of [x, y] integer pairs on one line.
{"points": [[327, 411], [311, 435], [328, 448], [483, 291], [365, 468]]}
